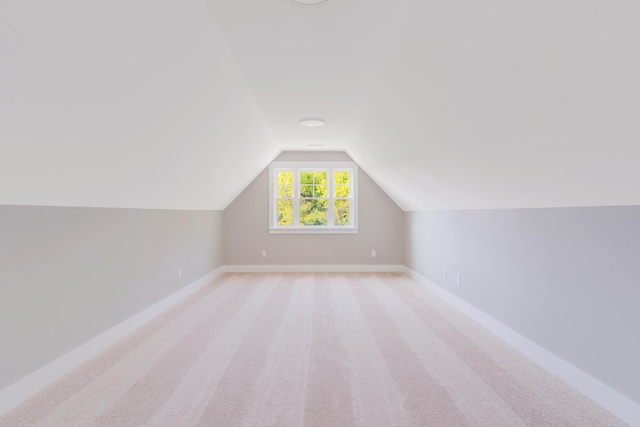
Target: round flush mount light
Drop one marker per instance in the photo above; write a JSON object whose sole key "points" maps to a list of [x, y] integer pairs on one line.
{"points": [[308, 3], [312, 123]]}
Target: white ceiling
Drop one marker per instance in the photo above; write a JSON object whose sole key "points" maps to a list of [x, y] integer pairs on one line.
{"points": [[180, 104], [123, 104]]}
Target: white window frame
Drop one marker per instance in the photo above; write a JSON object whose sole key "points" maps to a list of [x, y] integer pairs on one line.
{"points": [[298, 166]]}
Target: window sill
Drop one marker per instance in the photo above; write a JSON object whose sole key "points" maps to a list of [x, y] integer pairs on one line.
{"points": [[313, 230]]}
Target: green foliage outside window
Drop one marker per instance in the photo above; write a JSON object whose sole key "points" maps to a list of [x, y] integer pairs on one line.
{"points": [[314, 198], [313, 212], [342, 210], [342, 205], [285, 201]]}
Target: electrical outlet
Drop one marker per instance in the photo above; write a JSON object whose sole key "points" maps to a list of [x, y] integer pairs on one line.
{"points": [[458, 279], [373, 254], [264, 254], [444, 273], [179, 273]]}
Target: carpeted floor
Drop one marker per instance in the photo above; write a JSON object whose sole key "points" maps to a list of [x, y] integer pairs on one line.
{"points": [[310, 350]]}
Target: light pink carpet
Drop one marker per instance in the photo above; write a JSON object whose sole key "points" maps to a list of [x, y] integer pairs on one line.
{"points": [[310, 350]]}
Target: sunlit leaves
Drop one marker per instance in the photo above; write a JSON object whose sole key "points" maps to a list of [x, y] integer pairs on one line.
{"points": [[313, 203], [342, 206], [341, 184], [285, 178], [319, 178], [285, 184], [342, 177], [313, 212], [313, 184], [285, 191], [285, 203], [285, 212], [342, 212]]}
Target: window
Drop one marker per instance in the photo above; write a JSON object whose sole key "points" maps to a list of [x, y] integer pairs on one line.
{"points": [[313, 197]]}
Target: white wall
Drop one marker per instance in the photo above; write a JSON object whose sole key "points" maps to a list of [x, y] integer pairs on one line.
{"points": [[136, 105], [565, 278], [69, 274], [246, 230]]}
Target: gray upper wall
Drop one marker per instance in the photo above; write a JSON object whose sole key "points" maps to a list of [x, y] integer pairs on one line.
{"points": [[302, 156], [69, 274], [246, 227], [565, 278]]}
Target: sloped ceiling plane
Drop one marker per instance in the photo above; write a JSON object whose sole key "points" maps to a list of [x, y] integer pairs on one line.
{"points": [[446, 105]]}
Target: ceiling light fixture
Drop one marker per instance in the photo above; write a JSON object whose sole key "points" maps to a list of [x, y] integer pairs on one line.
{"points": [[312, 123], [315, 145], [309, 3]]}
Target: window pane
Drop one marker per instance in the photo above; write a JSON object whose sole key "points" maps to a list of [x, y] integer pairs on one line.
{"points": [[342, 178], [342, 191], [285, 178], [285, 212], [285, 191], [313, 212], [306, 177], [320, 178], [320, 191], [342, 181], [306, 191], [342, 212]]}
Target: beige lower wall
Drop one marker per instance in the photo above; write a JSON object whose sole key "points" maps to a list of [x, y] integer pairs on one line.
{"points": [[564, 278], [246, 232], [69, 274]]}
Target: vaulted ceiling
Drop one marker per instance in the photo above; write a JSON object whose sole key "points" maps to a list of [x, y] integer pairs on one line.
{"points": [[446, 105]]}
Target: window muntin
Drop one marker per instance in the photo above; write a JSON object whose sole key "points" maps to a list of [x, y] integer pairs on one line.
{"points": [[312, 198]]}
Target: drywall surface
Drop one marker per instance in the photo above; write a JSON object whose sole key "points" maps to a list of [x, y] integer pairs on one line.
{"points": [[566, 278], [304, 156], [69, 274], [246, 228], [141, 106]]}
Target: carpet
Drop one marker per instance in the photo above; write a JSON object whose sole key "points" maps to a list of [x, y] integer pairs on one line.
{"points": [[303, 349]]}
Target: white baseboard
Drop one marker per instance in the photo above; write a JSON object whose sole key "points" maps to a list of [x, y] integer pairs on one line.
{"points": [[313, 268], [616, 403], [33, 383]]}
